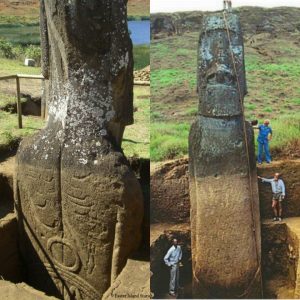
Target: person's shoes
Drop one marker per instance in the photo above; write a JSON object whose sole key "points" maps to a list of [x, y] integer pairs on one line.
{"points": [[172, 294], [269, 162], [274, 219], [279, 219], [259, 162]]}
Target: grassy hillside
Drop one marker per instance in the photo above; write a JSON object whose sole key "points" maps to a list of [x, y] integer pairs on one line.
{"points": [[27, 11], [273, 71]]}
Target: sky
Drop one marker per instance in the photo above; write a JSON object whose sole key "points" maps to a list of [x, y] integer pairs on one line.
{"points": [[211, 5]]}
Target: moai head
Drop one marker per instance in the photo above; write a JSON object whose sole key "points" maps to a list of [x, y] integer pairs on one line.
{"points": [[79, 204], [221, 76], [87, 55]]}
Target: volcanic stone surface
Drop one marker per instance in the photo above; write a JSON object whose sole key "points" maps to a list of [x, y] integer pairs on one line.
{"points": [[79, 204], [225, 228]]}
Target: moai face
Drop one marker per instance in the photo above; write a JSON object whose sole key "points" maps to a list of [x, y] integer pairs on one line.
{"points": [[221, 85]]}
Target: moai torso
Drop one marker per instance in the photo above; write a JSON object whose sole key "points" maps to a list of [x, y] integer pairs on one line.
{"points": [[79, 205], [225, 224]]}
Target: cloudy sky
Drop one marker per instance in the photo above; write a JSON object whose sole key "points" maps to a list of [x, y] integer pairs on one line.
{"points": [[186, 5]]}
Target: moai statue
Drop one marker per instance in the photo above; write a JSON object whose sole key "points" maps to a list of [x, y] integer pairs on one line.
{"points": [[79, 204], [225, 221]]}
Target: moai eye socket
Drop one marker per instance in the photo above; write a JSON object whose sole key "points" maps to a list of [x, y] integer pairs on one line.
{"points": [[211, 78]]}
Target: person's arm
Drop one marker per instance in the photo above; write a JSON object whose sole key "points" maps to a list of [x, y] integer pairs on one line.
{"points": [[265, 179], [254, 124], [180, 254], [270, 134], [283, 188], [167, 256]]}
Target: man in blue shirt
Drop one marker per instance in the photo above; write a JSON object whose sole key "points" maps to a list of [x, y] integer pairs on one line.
{"points": [[264, 136], [172, 259], [278, 190]]}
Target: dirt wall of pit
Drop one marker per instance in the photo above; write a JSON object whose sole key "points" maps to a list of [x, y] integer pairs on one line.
{"points": [[170, 201], [170, 191], [10, 266]]}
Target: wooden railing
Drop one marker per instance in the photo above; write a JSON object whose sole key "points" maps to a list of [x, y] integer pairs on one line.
{"points": [[18, 77], [41, 77]]}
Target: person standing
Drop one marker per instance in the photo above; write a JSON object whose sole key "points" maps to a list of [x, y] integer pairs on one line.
{"points": [[263, 139], [172, 260], [278, 189], [227, 5]]}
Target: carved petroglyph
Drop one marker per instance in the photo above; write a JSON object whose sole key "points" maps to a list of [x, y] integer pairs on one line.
{"points": [[79, 204]]}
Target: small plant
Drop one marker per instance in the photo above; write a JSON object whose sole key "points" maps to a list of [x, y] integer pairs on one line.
{"points": [[192, 111], [34, 52], [250, 106], [268, 109], [6, 49]]}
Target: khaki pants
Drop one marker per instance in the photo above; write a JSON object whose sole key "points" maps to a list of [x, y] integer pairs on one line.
{"points": [[174, 278]]}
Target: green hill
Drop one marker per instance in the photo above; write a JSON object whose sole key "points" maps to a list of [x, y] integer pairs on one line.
{"points": [[272, 55]]}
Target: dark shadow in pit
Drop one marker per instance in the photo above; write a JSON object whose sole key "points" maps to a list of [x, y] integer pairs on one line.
{"points": [[6, 196], [280, 254], [279, 261], [30, 106]]}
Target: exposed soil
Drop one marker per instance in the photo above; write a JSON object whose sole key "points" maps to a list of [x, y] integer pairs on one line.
{"points": [[6, 187], [170, 193], [10, 266], [32, 87], [31, 7], [142, 75], [170, 190], [132, 283], [30, 106], [280, 253], [22, 291], [290, 171], [280, 241]]}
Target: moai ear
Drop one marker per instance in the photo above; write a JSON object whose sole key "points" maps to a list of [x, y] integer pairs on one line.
{"points": [[44, 41]]}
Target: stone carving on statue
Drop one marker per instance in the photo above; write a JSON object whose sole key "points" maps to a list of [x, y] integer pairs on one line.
{"points": [[79, 204]]}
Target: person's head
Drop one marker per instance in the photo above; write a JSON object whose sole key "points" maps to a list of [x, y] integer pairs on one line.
{"points": [[276, 176], [266, 122], [175, 242]]}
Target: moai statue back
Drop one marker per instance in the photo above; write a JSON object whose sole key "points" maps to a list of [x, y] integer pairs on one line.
{"points": [[225, 225], [79, 204]]}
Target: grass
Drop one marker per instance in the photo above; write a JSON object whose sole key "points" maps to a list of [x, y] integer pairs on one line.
{"points": [[24, 14], [137, 136], [21, 34], [6, 99], [273, 89], [11, 66], [192, 111], [141, 56], [168, 140], [286, 130], [9, 131]]}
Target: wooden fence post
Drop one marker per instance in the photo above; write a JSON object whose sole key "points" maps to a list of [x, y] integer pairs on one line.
{"points": [[19, 106]]}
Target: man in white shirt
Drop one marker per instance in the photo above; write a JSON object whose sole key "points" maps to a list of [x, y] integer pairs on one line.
{"points": [[278, 189], [172, 259]]}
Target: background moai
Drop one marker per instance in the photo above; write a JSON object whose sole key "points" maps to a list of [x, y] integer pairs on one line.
{"points": [[79, 205], [225, 223]]}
